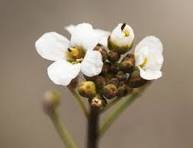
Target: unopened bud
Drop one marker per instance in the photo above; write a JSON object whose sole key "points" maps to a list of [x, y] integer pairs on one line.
{"points": [[122, 91], [113, 56], [121, 38], [100, 81], [128, 63], [87, 89], [109, 91], [121, 76], [98, 102], [51, 101], [102, 50], [135, 80]]}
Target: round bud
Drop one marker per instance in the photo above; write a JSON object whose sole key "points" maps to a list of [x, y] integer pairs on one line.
{"points": [[135, 80], [113, 56], [121, 76], [109, 91], [99, 81], [98, 102], [128, 63], [122, 91], [51, 101], [87, 89], [102, 50]]}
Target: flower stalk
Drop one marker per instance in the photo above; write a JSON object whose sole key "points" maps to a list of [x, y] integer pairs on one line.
{"points": [[62, 131], [93, 121]]}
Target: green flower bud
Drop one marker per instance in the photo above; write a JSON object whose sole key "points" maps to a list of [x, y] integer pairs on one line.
{"points": [[122, 76], [99, 81], [102, 50], [98, 102], [87, 89], [51, 101], [113, 56], [128, 63], [135, 80], [122, 90], [109, 91]]}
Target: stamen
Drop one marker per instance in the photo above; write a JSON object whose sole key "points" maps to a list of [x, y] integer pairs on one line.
{"points": [[123, 26]]}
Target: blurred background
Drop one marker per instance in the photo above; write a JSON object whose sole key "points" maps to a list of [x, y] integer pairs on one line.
{"points": [[162, 117]]}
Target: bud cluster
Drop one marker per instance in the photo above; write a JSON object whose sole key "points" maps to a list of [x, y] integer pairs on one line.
{"points": [[119, 75]]}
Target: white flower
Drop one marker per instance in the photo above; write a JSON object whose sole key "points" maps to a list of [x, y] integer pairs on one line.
{"points": [[71, 57], [122, 37], [149, 58]]}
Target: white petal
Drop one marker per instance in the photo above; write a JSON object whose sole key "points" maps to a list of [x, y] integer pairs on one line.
{"points": [[150, 42], [84, 36], [150, 75], [118, 37], [52, 46], [92, 63], [62, 72]]}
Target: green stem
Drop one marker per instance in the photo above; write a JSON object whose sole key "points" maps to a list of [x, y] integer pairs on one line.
{"points": [[79, 101], [119, 108], [62, 131]]}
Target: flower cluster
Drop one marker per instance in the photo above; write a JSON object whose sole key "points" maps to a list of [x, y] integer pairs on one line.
{"points": [[110, 68]]}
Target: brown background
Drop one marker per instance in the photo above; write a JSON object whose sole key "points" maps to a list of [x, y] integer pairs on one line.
{"points": [[161, 118]]}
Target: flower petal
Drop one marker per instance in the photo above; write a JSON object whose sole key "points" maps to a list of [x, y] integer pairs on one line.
{"points": [[62, 72], [149, 74], [52, 46], [92, 63], [150, 42], [84, 36]]}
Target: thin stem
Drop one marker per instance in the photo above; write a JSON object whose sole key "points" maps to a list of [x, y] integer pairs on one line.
{"points": [[119, 108], [93, 128], [79, 101], [62, 131]]}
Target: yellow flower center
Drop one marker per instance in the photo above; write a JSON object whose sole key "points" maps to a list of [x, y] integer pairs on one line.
{"points": [[126, 33], [75, 55]]}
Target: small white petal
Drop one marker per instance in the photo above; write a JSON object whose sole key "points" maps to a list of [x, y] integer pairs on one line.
{"points": [[62, 72], [149, 58], [52, 46], [92, 63], [151, 42], [149, 74], [119, 38], [84, 36]]}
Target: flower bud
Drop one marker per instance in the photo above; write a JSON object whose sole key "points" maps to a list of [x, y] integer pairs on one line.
{"points": [[51, 101], [121, 76], [121, 38], [87, 89], [135, 80], [102, 50], [98, 102], [109, 91], [128, 63], [122, 91], [113, 56], [100, 81], [114, 81]]}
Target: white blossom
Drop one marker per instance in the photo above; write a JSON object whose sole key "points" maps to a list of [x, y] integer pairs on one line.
{"points": [[149, 58], [122, 36], [74, 55]]}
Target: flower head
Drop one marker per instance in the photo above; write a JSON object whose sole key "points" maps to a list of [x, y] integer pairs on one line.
{"points": [[71, 57], [121, 38], [149, 58]]}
